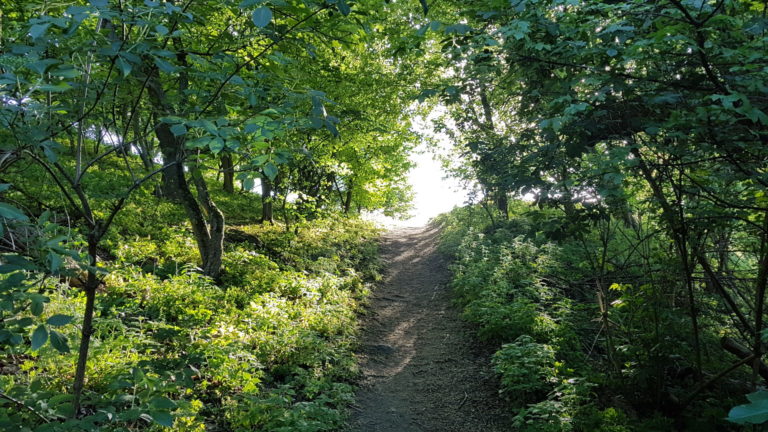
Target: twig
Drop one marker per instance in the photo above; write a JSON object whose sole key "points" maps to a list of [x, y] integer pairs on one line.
{"points": [[23, 405], [716, 378], [463, 401]]}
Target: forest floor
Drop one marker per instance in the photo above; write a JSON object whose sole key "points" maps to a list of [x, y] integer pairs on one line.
{"points": [[423, 369]]}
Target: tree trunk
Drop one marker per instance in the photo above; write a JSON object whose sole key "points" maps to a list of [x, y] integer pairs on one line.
{"points": [[348, 201], [228, 170], [208, 232], [87, 330], [266, 200], [214, 249], [502, 203], [743, 352]]}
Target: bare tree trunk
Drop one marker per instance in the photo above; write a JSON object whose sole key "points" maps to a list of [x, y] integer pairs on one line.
{"points": [[87, 330], [214, 250], [228, 171], [209, 233], [207, 228], [266, 200], [348, 200], [502, 203]]}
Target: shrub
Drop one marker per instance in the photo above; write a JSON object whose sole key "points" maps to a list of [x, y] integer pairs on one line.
{"points": [[527, 369]]}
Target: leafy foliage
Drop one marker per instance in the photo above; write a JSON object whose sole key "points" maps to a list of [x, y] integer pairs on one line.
{"points": [[563, 363], [756, 412], [643, 125], [271, 350], [117, 119]]}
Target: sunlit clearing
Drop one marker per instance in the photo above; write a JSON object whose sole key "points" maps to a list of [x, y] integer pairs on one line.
{"points": [[434, 191]]}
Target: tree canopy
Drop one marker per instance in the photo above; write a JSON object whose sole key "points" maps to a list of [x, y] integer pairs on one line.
{"points": [[617, 119]]}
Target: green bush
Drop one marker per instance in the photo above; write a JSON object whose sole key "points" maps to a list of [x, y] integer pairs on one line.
{"points": [[527, 369], [270, 348], [513, 282]]}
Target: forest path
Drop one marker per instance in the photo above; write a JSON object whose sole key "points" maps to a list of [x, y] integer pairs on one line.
{"points": [[422, 369]]}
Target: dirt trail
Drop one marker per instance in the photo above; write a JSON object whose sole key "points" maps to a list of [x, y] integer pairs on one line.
{"points": [[422, 369]]}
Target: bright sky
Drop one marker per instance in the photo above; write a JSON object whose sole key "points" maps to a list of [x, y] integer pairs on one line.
{"points": [[434, 193]]}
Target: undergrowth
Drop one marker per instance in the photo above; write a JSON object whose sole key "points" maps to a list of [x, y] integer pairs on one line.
{"points": [[269, 347], [562, 364]]}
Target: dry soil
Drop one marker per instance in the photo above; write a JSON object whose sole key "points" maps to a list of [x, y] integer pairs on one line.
{"points": [[423, 370]]}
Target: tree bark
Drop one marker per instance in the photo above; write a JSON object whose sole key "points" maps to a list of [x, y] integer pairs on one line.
{"points": [[502, 203], [228, 171], [348, 200], [91, 285], [214, 249], [743, 352], [266, 200], [208, 232]]}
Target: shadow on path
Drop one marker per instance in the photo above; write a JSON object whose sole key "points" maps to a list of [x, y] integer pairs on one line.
{"points": [[422, 369]]}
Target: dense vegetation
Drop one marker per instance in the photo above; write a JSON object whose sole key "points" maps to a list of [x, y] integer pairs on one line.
{"points": [[179, 182], [569, 359], [638, 131], [270, 347], [143, 282]]}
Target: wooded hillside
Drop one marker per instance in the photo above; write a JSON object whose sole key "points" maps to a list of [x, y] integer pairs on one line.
{"points": [[181, 184]]}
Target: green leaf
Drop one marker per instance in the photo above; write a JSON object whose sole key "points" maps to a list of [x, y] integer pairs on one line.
{"points": [[459, 29], [611, 52], [59, 320], [248, 183], [37, 306], [652, 130], [262, 16], [162, 403], [161, 29], [318, 109], [343, 7], [251, 128], [48, 149], [755, 412], [331, 128], [4, 187], [576, 108], [38, 30], [65, 71], [59, 341], [162, 418], [10, 212], [179, 129], [199, 142], [39, 337], [171, 119], [60, 399], [165, 66], [248, 3], [42, 66], [55, 88], [216, 145], [16, 339], [517, 29], [270, 170], [124, 66], [209, 126]]}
